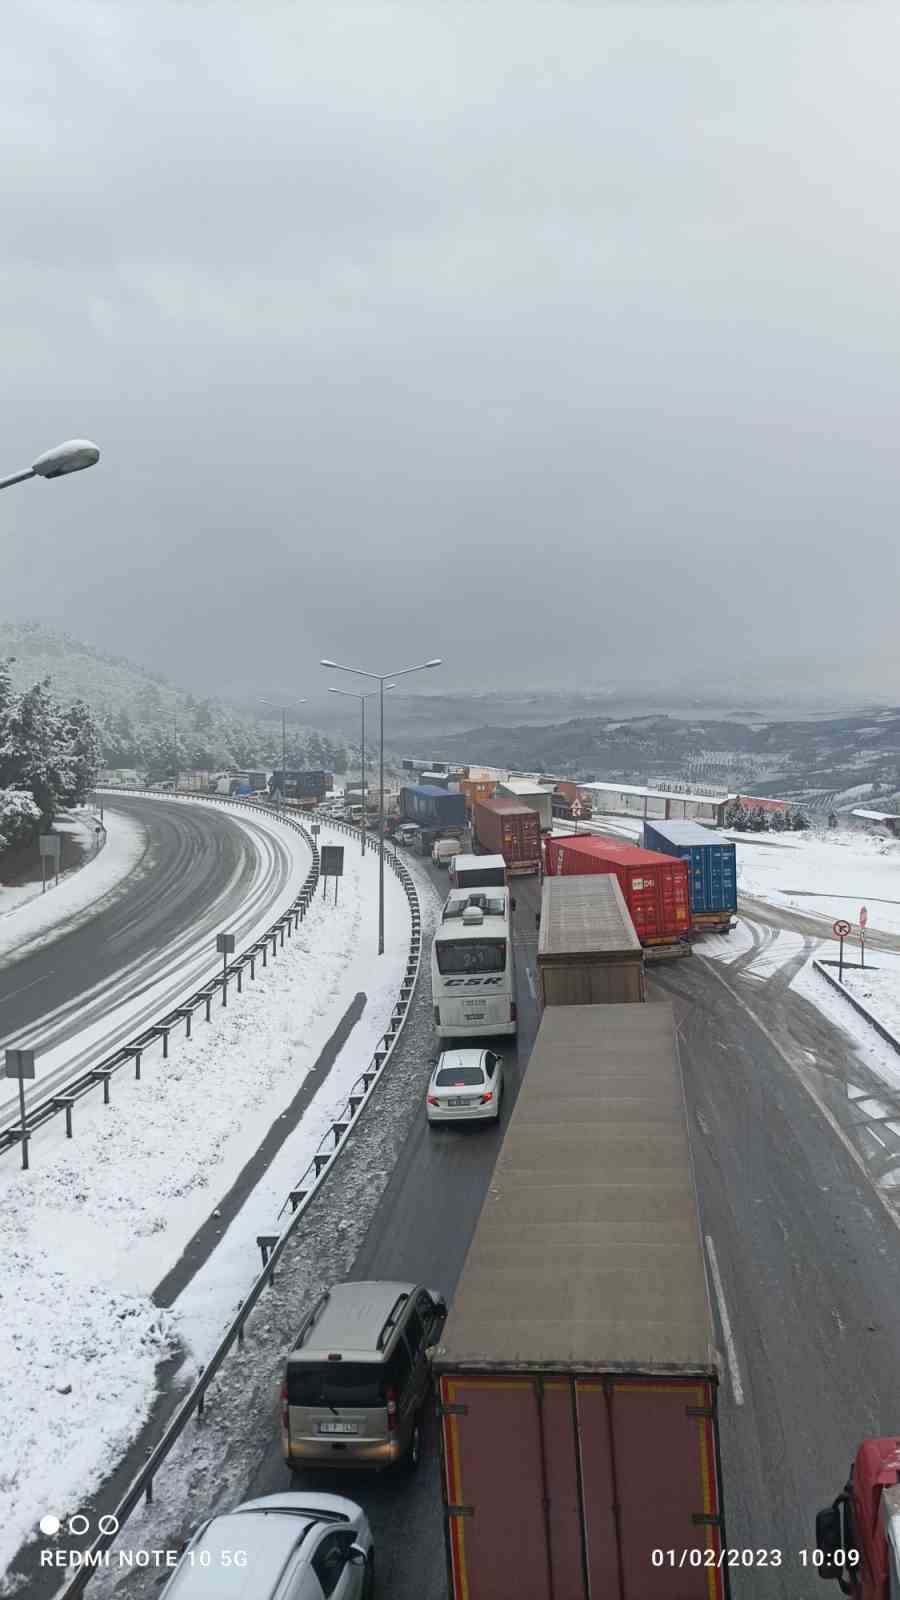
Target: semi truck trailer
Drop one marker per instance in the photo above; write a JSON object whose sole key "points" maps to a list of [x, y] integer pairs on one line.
{"points": [[510, 829], [577, 1373]]}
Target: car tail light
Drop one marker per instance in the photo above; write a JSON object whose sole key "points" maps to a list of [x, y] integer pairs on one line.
{"points": [[284, 1407], [485, 1099], [390, 1395], [433, 1100], [512, 1011]]}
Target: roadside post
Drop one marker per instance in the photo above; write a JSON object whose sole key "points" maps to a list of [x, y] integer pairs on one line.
{"points": [[863, 923], [841, 929], [332, 859], [576, 811], [20, 1064], [225, 947], [49, 846]]}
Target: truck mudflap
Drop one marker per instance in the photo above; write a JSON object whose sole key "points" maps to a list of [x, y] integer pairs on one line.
{"points": [[581, 1488]]}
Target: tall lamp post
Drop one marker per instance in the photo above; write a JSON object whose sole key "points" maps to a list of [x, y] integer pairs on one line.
{"points": [[284, 711], [381, 678], [73, 456], [362, 698]]}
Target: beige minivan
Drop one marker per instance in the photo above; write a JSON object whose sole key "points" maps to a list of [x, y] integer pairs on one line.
{"points": [[357, 1377]]}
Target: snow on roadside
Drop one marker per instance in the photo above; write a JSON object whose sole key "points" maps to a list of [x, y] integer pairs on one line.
{"points": [[875, 1053], [42, 917], [828, 875], [99, 1220]]}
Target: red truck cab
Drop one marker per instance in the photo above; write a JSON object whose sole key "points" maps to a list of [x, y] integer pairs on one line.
{"points": [[858, 1535]]}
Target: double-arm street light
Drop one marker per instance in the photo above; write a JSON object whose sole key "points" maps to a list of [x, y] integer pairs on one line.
{"points": [[73, 456], [275, 704], [381, 678], [362, 698]]}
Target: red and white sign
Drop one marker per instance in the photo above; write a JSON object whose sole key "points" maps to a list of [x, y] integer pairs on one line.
{"points": [[863, 916], [840, 929], [577, 808]]}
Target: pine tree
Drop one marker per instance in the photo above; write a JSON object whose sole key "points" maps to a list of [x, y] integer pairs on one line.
{"points": [[40, 758], [84, 750]]}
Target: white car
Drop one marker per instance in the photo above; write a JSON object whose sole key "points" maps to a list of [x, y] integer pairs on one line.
{"points": [[406, 834], [289, 1546], [465, 1086]]}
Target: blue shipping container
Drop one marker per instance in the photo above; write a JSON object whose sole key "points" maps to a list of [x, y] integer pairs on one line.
{"points": [[712, 869], [426, 803]]}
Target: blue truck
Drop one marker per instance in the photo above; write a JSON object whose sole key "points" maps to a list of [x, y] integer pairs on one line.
{"points": [[436, 812], [712, 869]]}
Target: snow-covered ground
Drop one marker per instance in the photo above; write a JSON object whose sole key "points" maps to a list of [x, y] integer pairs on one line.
{"points": [[29, 917], [879, 992], [827, 875], [99, 1220]]}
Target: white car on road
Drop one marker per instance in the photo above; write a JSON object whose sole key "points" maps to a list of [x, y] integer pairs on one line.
{"points": [[284, 1547], [466, 1086]]}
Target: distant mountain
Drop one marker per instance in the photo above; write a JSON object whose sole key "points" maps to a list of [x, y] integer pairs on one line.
{"points": [[142, 715]]}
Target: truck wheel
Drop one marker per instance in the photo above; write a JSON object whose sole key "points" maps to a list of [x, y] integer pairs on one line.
{"points": [[413, 1454]]}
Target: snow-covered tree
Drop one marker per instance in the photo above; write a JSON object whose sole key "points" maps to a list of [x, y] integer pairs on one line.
{"points": [[19, 817], [38, 756], [84, 752]]}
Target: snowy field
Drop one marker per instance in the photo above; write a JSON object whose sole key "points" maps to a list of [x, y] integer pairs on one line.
{"points": [[826, 875], [99, 1220], [29, 918]]}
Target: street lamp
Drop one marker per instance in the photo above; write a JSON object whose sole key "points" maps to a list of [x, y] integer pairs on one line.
{"points": [[362, 698], [73, 456], [284, 711], [381, 679]]}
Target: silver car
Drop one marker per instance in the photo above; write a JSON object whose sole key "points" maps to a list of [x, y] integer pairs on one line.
{"points": [[465, 1086], [284, 1547]]}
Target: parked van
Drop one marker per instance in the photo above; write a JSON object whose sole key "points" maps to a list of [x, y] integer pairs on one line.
{"points": [[357, 1377], [443, 851]]}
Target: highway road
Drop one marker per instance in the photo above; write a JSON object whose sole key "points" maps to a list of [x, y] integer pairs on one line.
{"points": [[808, 1259], [807, 1253], [202, 869]]}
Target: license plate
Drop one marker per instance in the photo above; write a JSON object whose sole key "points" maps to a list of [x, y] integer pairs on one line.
{"points": [[459, 1102], [337, 1427], [475, 1011]]}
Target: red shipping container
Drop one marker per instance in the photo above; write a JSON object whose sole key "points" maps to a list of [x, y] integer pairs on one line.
{"points": [[655, 886], [507, 828]]}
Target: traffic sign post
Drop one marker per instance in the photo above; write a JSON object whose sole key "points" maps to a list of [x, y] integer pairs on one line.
{"points": [[225, 947], [841, 929], [20, 1064], [576, 811], [863, 924], [49, 846]]}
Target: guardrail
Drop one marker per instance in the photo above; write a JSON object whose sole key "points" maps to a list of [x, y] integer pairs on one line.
{"points": [[273, 1246], [63, 1100]]}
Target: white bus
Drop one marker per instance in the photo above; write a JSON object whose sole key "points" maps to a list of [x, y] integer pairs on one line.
{"points": [[473, 980]]}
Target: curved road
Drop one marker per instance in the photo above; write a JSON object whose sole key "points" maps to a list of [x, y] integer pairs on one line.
{"points": [[202, 868]]}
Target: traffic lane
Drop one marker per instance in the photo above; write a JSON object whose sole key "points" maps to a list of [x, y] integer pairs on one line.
{"points": [[810, 1270], [421, 1231], [192, 852]]}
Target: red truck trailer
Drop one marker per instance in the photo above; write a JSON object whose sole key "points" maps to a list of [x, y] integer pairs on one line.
{"points": [[577, 1371], [656, 887], [507, 828]]}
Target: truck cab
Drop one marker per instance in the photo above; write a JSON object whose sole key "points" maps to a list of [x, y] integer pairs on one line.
{"points": [[858, 1535]]}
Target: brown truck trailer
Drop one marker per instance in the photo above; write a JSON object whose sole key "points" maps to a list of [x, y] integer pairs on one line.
{"points": [[508, 828], [577, 1372], [588, 951]]}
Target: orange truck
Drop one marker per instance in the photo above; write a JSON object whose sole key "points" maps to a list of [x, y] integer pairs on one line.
{"points": [[476, 789], [577, 1372]]}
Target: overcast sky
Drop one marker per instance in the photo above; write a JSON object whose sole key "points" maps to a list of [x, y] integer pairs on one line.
{"points": [[556, 339]]}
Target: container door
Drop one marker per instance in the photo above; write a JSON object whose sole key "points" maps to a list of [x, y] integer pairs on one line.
{"points": [[661, 1468], [641, 896], [698, 884], [715, 888]]}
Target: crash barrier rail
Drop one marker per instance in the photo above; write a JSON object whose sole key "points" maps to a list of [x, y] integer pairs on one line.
{"points": [[63, 1100], [272, 1246]]}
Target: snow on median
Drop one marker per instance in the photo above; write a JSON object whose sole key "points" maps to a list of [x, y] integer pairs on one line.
{"points": [[99, 1220]]}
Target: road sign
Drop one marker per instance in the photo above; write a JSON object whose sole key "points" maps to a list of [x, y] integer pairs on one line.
{"points": [[577, 808], [840, 929], [19, 1064], [332, 861], [49, 843], [863, 916], [225, 944]]}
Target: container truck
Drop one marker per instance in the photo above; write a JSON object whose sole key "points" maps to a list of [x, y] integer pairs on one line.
{"points": [[655, 886], [533, 795], [476, 789], [508, 828], [577, 1373], [712, 869], [478, 872], [437, 814], [307, 787], [588, 951], [858, 1535]]}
